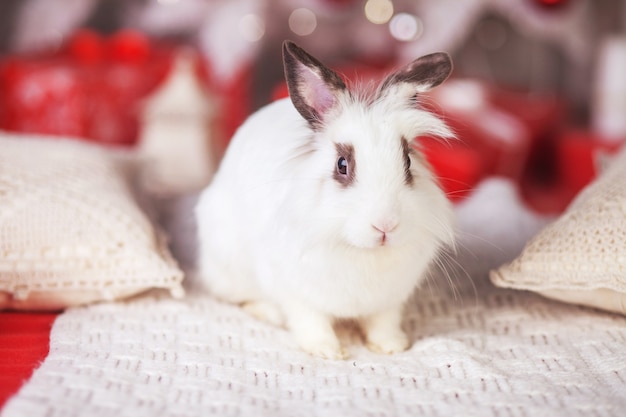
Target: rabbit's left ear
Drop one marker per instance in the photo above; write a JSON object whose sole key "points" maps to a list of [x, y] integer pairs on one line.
{"points": [[313, 87], [419, 76]]}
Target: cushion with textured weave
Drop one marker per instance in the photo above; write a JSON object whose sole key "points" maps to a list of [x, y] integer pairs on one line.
{"points": [[581, 257], [71, 230]]}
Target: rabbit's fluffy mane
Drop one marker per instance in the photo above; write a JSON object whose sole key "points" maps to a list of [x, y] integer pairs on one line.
{"points": [[407, 115]]}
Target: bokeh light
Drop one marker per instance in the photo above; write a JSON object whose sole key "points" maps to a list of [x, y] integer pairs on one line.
{"points": [[302, 22], [252, 27], [406, 27], [378, 11]]}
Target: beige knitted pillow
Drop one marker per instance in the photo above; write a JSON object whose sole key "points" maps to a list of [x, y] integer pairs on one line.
{"points": [[71, 231], [581, 257]]}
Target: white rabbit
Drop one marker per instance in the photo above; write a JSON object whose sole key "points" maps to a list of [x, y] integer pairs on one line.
{"points": [[322, 209]]}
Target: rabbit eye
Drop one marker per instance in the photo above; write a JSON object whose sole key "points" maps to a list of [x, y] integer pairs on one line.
{"points": [[407, 163], [345, 167], [342, 166]]}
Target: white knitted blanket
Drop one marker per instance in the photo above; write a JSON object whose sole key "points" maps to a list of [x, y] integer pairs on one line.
{"points": [[478, 351]]}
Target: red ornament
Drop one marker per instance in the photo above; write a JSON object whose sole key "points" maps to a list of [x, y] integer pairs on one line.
{"points": [[551, 3], [86, 46], [130, 47]]}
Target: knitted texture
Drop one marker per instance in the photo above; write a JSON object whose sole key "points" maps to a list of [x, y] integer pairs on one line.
{"points": [[581, 257], [477, 351], [493, 354], [71, 231]]}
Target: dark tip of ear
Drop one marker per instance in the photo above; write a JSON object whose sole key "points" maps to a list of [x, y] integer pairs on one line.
{"points": [[434, 68], [289, 46], [293, 53], [289, 59], [428, 71], [312, 86]]}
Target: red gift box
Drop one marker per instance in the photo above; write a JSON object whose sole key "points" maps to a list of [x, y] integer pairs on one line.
{"points": [[578, 157], [44, 95], [94, 88], [457, 167], [506, 126], [574, 159], [91, 88]]}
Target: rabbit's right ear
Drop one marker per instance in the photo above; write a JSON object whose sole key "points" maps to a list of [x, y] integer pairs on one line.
{"points": [[313, 87], [419, 76]]}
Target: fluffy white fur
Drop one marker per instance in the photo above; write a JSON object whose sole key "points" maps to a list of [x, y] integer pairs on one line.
{"points": [[280, 236]]}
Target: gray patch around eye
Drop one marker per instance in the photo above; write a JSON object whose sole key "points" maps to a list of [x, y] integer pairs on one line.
{"points": [[407, 151], [346, 151]]}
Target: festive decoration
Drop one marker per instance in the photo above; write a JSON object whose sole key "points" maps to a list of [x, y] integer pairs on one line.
{"points": [[175, 137], [552, 3], [93, 87], [524, 134], [579, 156], [89, 89]]}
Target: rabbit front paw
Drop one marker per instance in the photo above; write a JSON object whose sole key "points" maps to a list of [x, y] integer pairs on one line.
{"points": [[326, 348], [393, 342], [314, 332], [265, 311], [384, 332]]}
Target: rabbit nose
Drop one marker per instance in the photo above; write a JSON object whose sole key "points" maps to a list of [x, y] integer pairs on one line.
{"points": [[385, 228]]}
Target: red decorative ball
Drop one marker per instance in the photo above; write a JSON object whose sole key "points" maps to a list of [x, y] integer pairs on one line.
{"points": [[129, 46], [551, 3], [86, 46]]}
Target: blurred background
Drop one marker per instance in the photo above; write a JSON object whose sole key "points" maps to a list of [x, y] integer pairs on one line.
{"points": [[538, 92]]}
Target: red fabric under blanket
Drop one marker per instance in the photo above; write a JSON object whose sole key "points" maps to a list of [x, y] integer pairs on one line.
{"points": [[24, 343]]}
